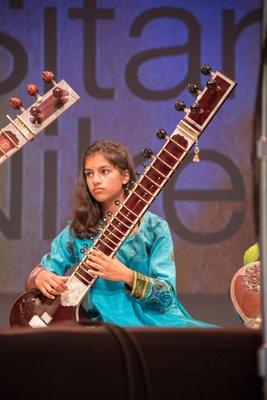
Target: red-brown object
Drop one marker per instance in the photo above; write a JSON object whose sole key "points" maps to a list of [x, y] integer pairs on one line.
{"points": [[8, 141], [32, 89], [45, 109], [58, 92], [16, 103], [245, 291], [49, 77]]}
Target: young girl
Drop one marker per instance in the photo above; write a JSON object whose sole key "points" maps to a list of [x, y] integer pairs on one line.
{"points": [[135, 288]]}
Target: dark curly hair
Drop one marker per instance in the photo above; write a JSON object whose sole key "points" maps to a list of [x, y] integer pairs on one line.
{"points": [[87, 211]]}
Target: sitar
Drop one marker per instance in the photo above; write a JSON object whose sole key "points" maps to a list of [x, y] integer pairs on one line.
{"points": [[245, 292], [33, 309], [25, 127]]}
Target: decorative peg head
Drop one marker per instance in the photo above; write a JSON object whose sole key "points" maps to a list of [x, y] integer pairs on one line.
{"points": [[195, 108], [57, 92], [148, 153], [180, 105], [48, 77], [33, 90], [193, 89], [161, 133], [16, 103], [35, 112], [129, 185], [60, 95], [206, 69], [211, 84]]}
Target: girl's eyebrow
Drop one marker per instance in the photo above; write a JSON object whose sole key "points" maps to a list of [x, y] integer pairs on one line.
{"points": [[102, 166]]}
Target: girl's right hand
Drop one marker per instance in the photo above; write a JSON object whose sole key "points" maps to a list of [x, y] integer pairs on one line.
{"points": [[50, 284]]}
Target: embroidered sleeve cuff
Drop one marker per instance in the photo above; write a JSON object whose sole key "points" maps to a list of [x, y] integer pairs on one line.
{"points": [[152, 290], [141, 286]]}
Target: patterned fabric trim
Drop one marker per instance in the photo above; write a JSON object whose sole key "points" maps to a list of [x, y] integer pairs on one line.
{"points": [[161, 294], [152, 290], [141, 285]]}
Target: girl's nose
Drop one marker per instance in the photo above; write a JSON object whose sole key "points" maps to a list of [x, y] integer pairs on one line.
{"points": [[96, 178]]}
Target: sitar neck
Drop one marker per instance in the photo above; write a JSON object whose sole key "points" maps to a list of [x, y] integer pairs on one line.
{"points": [[160, 170], [142, 194]]}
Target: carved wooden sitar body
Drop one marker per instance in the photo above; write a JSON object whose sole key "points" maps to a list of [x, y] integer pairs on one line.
{"points": [[245, 292], [34, 119], [35, 310]]}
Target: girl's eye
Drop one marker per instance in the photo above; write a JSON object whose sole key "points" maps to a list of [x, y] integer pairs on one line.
{"points": [[105, 171], [88, 174]]}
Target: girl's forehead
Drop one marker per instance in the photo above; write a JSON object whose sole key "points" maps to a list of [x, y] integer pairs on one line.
{"points": [[96, 160]]}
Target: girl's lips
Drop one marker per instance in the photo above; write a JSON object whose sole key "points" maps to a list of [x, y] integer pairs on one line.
{"points": [[98, 190]]}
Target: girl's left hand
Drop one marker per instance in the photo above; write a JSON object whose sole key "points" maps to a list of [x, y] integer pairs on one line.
{"points": [[109, 268]]}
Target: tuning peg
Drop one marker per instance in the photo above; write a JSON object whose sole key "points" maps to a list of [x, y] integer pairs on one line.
{"points": [[147, 153], [60, 95], [211, 84], [206, 69], [195, 108], [35, 112], [33, 90], [48, 77], [180, 105], [109, 214], [129, 185], [57, 92], [193, 89], [161, 134], [16, 103], [117, 202]]}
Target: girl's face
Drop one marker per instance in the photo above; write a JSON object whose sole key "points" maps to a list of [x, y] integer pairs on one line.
{"points": [[105, 181]]}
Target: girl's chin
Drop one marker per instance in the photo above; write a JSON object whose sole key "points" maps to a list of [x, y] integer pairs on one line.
{"points": [[100, 198]]}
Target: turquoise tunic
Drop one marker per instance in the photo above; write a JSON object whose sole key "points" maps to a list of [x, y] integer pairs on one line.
{"points": [[152, 301]]}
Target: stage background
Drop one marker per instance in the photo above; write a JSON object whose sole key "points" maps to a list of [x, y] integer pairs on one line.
{"points": [[129, 61]]}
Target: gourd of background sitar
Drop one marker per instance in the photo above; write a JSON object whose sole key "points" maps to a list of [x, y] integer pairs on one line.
{"points": [[245, 291]]}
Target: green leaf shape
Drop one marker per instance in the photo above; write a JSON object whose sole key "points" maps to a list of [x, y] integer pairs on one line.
{"points": [[252, 254]]}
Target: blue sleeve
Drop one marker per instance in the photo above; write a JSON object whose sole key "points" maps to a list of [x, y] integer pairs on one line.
{"points": [[62, 255], [158, 289]]}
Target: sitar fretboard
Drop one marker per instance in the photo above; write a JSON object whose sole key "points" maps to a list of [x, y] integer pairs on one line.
{"points": [[139, 199], [157, 173]]}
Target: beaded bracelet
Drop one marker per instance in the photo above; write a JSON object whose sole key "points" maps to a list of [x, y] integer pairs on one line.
{"points": [[36, 270]]}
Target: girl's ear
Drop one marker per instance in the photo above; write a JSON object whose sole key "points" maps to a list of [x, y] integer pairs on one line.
{"points": [[126, 177]]}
